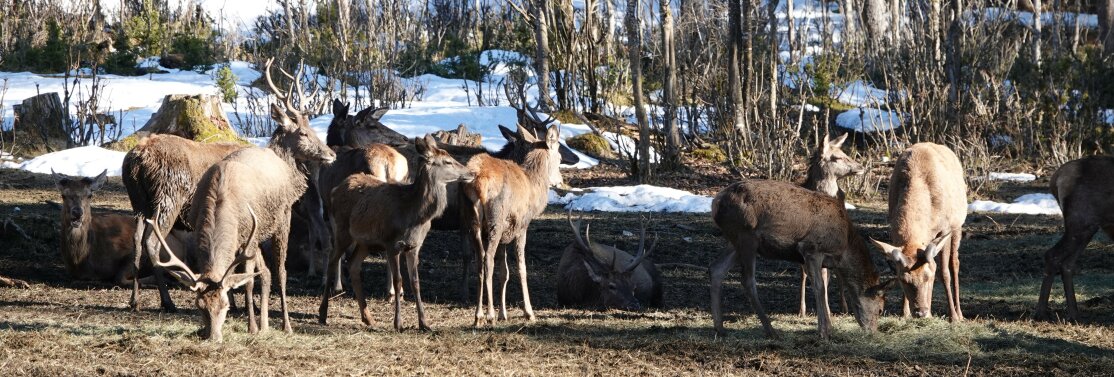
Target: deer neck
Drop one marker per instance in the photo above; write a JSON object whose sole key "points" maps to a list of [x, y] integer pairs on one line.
{"points": [[821, 181], [536, 166], [856, 263], [429, 196], [75, 242]]}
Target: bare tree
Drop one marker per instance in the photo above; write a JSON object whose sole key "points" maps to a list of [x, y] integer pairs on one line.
{"points": [[634, 49], [541, 53], [671, 155]]}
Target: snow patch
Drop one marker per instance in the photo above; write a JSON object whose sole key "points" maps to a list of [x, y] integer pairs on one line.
{"points": [[869, 120], [641, 198], [1012, 177], [81, 161], [1028, 204]]}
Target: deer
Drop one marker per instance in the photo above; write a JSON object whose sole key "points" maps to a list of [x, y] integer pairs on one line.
{"points": [[99, 246], [361, 130], [605, 277], [161, 175], [1084, 192], [826, 167], [498, 207], [782, 221], [928, 205], [13, 283], [371, 215]]}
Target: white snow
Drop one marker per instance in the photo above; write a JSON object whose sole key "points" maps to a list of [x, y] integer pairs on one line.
{"points": [[1028, 204], [641, 198], [859, 93], [82, 161], [869, 120], [1012, 177]]}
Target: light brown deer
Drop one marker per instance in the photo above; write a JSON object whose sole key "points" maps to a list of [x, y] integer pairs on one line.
{"points": [[375, 216], [13, 283], [1085, 191], [782, 221], [603, 277], [160, 175], [928, 205], [501, 202], [826, 167], [99, 247]]}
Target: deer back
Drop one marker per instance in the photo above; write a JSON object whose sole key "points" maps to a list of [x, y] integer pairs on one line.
{"points": [[1084, 189], [164, 169], [927, 195]]}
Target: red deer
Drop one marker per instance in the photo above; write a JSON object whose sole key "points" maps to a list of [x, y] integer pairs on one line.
{"points": [[99, 247], [375, 216], [782, 221], [827, 165], [1085, 193], [928, 205], [13, 283], [604, 277], [501, 202], [360, 130], [160, 175]]}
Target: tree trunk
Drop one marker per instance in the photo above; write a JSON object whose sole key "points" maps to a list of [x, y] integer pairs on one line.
{"points": [[634, 39], [1037, 9], [734, 76], [876, 23], [669, 88], [541, 58], [775, 46], [1105, 9], [195, 117], [41, 125]]}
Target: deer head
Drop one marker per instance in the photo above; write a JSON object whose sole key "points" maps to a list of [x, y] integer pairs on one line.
{"points": [[77, 193], [835, 163], [550, 145], [293, 133], [615, 282], [916, 270], [442, 167], [212, 290]]}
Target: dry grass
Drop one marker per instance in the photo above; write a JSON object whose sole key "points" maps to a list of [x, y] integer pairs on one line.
{"points": [[61, 327]]}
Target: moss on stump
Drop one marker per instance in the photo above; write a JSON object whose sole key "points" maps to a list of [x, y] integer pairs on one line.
{"points": [[195, 117], [591, 144]]}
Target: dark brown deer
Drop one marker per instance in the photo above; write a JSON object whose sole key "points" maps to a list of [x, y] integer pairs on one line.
{"points": [[360, 130], [221, 251], [160, 175], [603, 277], [826, 167], [501, 202], [782, 221], [1085, 192], [928, 205], [99, 247], [375, 216]]}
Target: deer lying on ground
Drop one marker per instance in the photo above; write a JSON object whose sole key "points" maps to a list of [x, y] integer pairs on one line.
{"points": [[99, 247], [827, 165], [13, 283], [393, 218], [500, 203], [928, 205], [782, 221], [1085, 191], [604, 277], [160, 175]]}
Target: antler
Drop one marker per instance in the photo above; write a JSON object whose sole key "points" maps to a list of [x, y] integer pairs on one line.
{"points": [[642, 251], [183, 273], [295, 83], [576, 232], [518, 102]]}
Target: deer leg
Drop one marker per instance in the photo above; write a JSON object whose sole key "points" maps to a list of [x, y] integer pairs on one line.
{"points": [[905, 312], [332, 275], [1073, 241], [140, 231], [506, 278], [804, 283], [280, 264], [355, 273], [476, 241], [747, 262], [495, 234], [416, 285], [249, 289], [390, 277], [957, 237], [1068, 275], [944, 273], [264, 296], [843, 298], [718, 272], [393, 269], [820, 292], [527, 309]]}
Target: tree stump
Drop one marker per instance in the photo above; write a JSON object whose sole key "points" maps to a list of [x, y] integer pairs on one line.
{"points": [[41, 125], [460, 137], [196, 117]]}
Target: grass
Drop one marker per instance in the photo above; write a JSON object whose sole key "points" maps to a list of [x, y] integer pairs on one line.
{"points": [[64, 327]]}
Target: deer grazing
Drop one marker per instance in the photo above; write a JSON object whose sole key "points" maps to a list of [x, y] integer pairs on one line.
{"points": [[599, 276], [1085, 192], [928, 205], [826, 167], [160, 175], [501, 202], [376, 216], [782, 221], [99, 247]]}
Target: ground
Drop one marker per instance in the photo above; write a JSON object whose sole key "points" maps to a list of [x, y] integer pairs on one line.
{"points": [[65, 327]]}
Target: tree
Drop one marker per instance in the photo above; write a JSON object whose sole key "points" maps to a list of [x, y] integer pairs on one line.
{"points": [[1106, 21], [634, 49], [671, 155], [541, 54]]}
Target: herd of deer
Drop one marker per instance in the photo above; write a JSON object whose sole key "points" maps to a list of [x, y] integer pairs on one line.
{"points": [[217, 216]]}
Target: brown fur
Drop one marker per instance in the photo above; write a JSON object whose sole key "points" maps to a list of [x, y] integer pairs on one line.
{"points": [[782, 221], [603, 277], [502, 201], [1085, 191], [928, 205], [376, 216], [160, 175]]}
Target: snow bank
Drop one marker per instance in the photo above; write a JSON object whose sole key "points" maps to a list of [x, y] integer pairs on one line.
{"points": [[1012, 177], [859, 93], [641, 198], [869, 120], [81, 161], [1028, 204]]}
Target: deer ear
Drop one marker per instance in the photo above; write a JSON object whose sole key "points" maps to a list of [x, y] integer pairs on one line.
{"points": [[595, 276], [526, 135], [938, 244], [99, 181], [838, 142], [340, 110], [237, 280], [507, 133], [378, 113], [424, 145], [891, 252], [279, 115], [59, 179], [553, 135]]}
